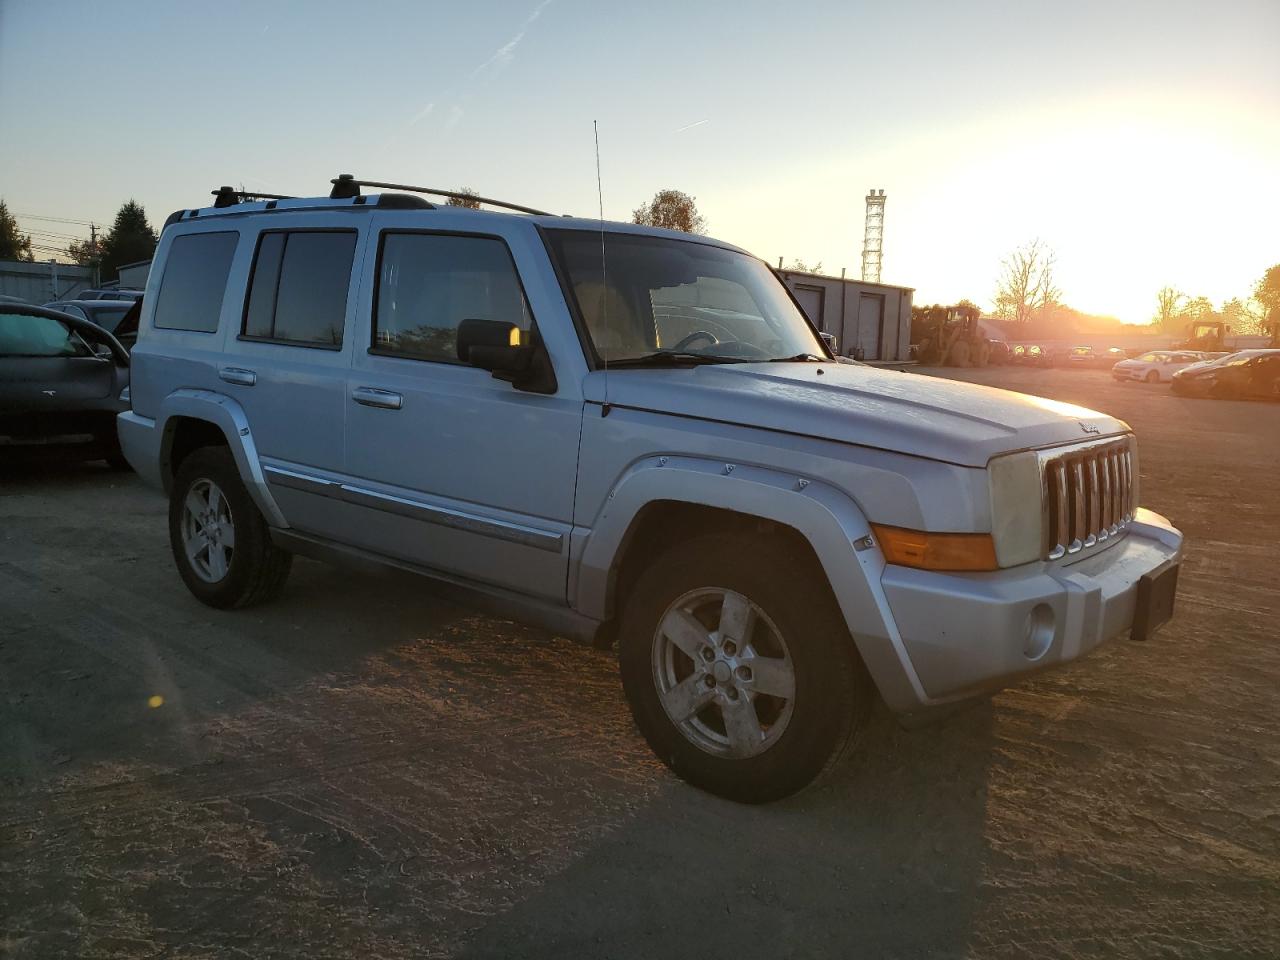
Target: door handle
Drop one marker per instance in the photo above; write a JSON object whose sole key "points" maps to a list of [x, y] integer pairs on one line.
{"points": [[246, 378], [373, 397]]}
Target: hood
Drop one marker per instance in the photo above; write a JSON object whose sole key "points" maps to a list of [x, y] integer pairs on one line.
{"points": [[961, 423]]}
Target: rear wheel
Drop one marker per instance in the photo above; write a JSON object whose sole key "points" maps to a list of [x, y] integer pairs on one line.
{"points": [[739, 668], [220, 541], [1153, 376]]}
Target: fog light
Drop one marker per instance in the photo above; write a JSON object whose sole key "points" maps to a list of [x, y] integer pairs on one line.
{"points": [[1039, 633]]}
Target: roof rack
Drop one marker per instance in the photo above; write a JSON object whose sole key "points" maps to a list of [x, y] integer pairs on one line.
{"points": [[229, 197], [346, 186]]}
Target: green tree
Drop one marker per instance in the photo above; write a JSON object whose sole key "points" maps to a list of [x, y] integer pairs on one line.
{"points": [[799, 266], [671, 209], [1267, 293], [87, 253], [129, 240], [13, 245], [468, 199]]}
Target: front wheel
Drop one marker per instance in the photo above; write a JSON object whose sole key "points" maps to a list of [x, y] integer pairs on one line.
{"points": [[739, 668], [1153, 377], [220, 541]]}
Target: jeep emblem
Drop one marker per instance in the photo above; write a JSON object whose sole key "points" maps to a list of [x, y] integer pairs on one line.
{"points": [[1088, 427]]}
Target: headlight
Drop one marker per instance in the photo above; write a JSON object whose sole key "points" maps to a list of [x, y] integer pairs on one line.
{"points": [[1016, 508], [124, 394]]}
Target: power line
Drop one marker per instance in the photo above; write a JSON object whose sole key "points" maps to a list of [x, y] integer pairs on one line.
{"points": [[83, 223]]}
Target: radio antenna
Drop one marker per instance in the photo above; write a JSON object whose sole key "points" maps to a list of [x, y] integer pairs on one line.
{"points": [[604, 274]]}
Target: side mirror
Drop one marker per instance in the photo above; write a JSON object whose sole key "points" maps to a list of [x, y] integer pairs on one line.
{"points": [[104, 351], [494, 345]]}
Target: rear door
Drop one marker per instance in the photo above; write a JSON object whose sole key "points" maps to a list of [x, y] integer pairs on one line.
{"points": [[287, 365], [453, 469]]}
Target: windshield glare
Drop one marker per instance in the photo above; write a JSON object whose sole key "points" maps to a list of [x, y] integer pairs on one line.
{"points": [[657, 294]]}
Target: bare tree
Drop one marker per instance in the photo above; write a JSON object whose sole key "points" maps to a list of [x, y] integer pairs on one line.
{"points": [[799, 266], [1168, 308], [469, 199], [671, 209], [1026, 287]]}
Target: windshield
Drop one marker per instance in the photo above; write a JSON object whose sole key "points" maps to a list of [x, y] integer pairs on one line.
{"points": [[701, 301], [24, 335]]}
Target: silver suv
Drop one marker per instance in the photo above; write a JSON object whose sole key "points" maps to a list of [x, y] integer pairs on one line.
{"points": [[632, 436]]}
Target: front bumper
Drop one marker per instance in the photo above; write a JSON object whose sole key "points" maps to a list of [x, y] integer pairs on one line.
{"points": [[967, 634]]}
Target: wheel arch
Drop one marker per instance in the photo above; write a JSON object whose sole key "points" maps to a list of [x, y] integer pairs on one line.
{"points": [[191, 419], [665, 499]]}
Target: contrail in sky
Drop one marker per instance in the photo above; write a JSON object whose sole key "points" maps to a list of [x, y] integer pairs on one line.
{"points": [[690, 126]]}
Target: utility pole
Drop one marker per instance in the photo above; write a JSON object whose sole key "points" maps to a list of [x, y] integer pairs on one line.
{"points": [[873, 237], [97, 259]]}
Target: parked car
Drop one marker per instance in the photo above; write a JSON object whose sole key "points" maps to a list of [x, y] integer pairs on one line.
{"points": [[1155, 366], [1032, 355], [62, 382], [1247, 375], [106, 314], [769, 537], [998, 353], [1091, 358], [109, 293]]}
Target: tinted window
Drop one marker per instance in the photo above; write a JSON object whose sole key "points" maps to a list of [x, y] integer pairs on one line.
{"points": [[108, 319], [22, 335], [427, 285], [195, 279], [299, 288]]}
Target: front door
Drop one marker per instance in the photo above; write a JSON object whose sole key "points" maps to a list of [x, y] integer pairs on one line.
{"points": [[452, 469]]}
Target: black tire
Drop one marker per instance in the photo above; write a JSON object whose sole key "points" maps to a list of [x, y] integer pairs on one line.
{"points": [[257, 569], [832, 690], [1153, 377], [112, 453]]}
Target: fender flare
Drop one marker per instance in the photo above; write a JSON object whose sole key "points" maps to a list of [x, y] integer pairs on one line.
{"points": [[228, 416], [827, 518]]}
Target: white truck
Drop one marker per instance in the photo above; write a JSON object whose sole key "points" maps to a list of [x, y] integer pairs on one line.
{"points": [[627, 435]]}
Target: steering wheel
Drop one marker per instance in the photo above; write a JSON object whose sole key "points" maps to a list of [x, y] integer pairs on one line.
{"points": [[694, 337]]}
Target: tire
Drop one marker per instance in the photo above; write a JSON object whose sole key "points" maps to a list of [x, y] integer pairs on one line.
{"points": [[671, 617], [112, 454], [1153, 376], [959, 355], [248, 570]]}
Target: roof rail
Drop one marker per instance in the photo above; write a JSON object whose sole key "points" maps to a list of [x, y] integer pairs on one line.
{"points": [[345, 186], [229, 197]]}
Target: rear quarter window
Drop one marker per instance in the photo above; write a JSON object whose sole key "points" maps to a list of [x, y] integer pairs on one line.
{"points": [[195, 281]]}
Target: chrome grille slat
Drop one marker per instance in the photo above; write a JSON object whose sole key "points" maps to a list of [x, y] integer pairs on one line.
{"points": [[1088, 495]]}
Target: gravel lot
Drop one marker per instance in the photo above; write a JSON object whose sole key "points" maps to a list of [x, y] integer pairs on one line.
{"points": [[361, 770]]}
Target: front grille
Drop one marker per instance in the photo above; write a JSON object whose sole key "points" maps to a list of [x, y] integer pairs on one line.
{"points": [[1089, 495]]}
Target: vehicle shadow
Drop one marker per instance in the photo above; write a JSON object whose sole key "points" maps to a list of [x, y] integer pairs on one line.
{"points": [[884, 860]]}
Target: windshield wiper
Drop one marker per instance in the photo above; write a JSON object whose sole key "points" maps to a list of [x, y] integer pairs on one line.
{"points": [[666, 358], [800, 358]]}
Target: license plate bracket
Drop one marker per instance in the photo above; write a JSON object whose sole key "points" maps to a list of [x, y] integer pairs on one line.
{"points": [[1156, 593]]}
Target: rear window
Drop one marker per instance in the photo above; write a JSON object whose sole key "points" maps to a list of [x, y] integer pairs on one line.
{"points": [[298, 293], [194, 282]]}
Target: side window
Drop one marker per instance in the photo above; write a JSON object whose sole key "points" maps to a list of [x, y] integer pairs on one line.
{"points": [[298, 293], [195, 279], [429, 283]]}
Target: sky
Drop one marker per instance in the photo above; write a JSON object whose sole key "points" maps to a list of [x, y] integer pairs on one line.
{"points": [[1139, 140]]}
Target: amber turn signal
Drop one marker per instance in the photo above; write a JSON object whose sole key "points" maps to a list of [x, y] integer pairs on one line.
{"points": [[936, 551]]}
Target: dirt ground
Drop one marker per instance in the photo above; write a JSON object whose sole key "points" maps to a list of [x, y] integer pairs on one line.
{"points": [[361, 770]]}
